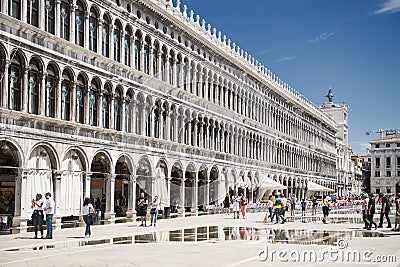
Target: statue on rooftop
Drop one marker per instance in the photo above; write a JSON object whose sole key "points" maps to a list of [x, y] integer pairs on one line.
{"points": [[330, 95]]}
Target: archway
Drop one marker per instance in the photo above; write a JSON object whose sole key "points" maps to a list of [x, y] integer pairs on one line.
{"points": [[190, 179], [202, 189], [123, 172], [144, 179], [175, 190], [100, 172], [214, 183]]}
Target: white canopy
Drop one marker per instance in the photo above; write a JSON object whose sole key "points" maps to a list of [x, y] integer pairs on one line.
{"points": [[311, 186], [267, 184], [160, 188]]}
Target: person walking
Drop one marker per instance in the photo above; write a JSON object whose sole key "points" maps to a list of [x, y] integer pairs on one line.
{"points": [[37, 215], [227, 203], [370, 211], [364, 206], [325, 209], [243, 204], [397, 218], [87, 211], [284, 207], [303, 207], [154, 211], [270, 207], [293, 205], [49, 210], [314, 206], [235, 205], [277, 207], [142, 203], [384, 211]]}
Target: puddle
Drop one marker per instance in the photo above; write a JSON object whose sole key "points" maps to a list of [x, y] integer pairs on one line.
{"points": [[218, 233]]}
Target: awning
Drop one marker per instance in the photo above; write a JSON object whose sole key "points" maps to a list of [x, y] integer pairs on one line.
{"points": [[311, 186], [267, 185]]}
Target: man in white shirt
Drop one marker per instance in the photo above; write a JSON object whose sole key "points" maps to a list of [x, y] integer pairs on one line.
{"points": [[49, 210]]}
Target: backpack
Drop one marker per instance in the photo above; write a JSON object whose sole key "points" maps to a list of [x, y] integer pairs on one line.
{"points": [[278, 201]]}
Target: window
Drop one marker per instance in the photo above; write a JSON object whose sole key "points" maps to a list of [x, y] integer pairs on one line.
{"points": [[50, 91], [388, 162], [15, 82], [155, 60], [138, 51], [398, 161], [398, 173], [128, 112], [79, 24], [66, 88], [377, 174], [49, 16], [117, 110], [117, 41], [377, 146], [106, 106], [15, 9], [388, 190], [32, 13], [93, 25], [64, 19], [93, 98], [377, 191], [105, 42], [127, 46], [80, 89], [33, 87], [398, 144], [146, 56], [377, 162], [387, 145], [388, 173], [163, 63]]}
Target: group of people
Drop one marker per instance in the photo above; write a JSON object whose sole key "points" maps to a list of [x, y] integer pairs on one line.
{"points": [[237, 203], [41, 207], [142, 204], [368, 207]]}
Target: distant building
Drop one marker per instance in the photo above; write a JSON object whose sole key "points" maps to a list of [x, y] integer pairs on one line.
{"points": [[362, 173], [385, 164], [345, 170]]}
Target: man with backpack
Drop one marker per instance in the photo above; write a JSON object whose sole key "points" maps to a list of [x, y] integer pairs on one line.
{"points": [[385, 210], [277, 207]]}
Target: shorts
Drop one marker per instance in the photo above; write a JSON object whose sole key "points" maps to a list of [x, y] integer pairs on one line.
{"points": [[142, 211], [325, 210], [236, 206]]}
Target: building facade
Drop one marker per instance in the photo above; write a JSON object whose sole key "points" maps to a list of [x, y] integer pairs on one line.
{"points": [[385, 164], [108, 98], [338, 112]]}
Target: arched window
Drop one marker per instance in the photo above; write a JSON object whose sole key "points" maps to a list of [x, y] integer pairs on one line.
{"points": [[155, 60], [105, 102], [105, 37], [34, 81], [93, 25], [79, 24], [178, 70], [14, 9], [50, 13], [64, 19], [51, 84], [138, 49], [80, 89], [147, 118], [32, 12], [171, 67], [66, 88], [15, 74], [138, 111], [163, 63], [93, 99], [185, 74], [157, 119], [164, 121], [117, 110], [146, 56], [117, 41], [129, 112], [127, 46]]}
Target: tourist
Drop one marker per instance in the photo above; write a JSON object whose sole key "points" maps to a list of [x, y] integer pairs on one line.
{"points": [[384, 211], [314, 206], [277, 207], [235, 205], [142, 204], [154, 211], [87, 211], [270, 207], [49, 210], [303, 207], [284, 208], [37, 215], [364, 205], [292, 205], [397, 218], [325, 209], [243, 204], [370, 211], [227, 203]]}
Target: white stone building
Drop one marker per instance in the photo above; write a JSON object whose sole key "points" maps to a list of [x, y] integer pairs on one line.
{"points": [[338, 112], [385, 164], [109, 98]]}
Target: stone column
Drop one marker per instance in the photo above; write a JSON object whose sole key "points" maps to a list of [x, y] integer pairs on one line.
{"points": [[131, 212], [112, 111], [195, 205], [141, 56], [86, 105], [151, 122], [58, 98], [20, 220], [168, 126], [99, 43], [133, 117], [57, 22], [158, 74], [207, 196], [73, 102], [72, 25], [42, 15], [26, 91], [100, 109], [57, 200], [4, 5], [123, 113], [143, 120], [181, 209], [24, 12], [86, 36], [87, 178], [110, 186], [5, 84]]}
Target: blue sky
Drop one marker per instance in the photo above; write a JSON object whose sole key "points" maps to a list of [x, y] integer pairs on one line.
{"points": [[351, 45]]}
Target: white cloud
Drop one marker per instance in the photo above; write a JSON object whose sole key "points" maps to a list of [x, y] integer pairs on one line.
{"points": [[323, 36], [389, 6], [285, 59], [265, 52]]}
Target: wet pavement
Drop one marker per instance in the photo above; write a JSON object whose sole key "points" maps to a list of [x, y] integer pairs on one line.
{"points": [[127, 244]]}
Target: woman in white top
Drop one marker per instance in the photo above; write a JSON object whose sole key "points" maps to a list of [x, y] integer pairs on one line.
{"points": [[154, 211], [37, 216], [87, 210], [235, 205]]}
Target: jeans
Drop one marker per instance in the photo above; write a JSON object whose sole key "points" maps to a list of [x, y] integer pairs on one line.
{"points": [[88, 220], [386, 214], [38, 221], [49, 224], [277, 214], [370, 221], [270, 213], [153, 218]]}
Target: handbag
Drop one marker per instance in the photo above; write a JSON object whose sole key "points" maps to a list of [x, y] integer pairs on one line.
{"points": [[153, 211], [92, 212]]}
